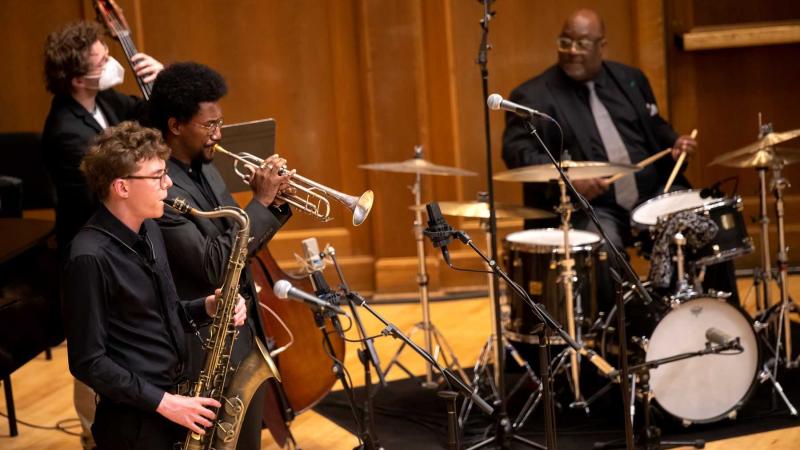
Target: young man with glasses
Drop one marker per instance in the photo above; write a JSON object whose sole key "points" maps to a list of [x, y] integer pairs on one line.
{"points": [[80, 74], [608, 112], [185, 107], [127, 330]]}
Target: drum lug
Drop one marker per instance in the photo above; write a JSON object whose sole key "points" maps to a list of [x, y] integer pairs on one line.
{"points": [[686, 423], [758, 326], [733, 414]]}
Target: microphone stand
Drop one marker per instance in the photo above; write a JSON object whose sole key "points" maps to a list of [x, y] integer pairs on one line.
{"points": [[502, 427], [621, 263], [368, 357]]}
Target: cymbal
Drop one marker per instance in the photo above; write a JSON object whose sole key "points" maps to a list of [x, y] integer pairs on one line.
{"points": [[480, 210], [761, 153], [417, 165], [576, 170]]}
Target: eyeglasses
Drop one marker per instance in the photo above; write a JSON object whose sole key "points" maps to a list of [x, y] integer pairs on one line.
{"points": [[162, 179], [211, 125], [582, 45]]}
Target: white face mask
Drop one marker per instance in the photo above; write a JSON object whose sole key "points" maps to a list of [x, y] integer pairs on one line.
{"points": [[113, 74]]}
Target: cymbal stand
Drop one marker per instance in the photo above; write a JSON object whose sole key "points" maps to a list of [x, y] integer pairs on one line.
{"points": [[567, 278], [429, 331], [762, 276], [778, 184]]}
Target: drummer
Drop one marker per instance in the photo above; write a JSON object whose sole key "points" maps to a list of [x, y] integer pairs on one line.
{"points": [[608, 113]]}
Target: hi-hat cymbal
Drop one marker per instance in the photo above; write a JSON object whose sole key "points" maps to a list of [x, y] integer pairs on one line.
{"points": [[480, 210], [417, 165], [576, 170], [761, 153]]}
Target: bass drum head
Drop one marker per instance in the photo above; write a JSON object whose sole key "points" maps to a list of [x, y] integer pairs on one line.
{"points": [[709, 387]]}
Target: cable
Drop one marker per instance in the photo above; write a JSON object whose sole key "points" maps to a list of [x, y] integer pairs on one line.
{"points": [[62, 425]]}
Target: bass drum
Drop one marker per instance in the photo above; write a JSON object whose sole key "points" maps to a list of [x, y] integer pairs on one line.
{"points": [[700, 389]]}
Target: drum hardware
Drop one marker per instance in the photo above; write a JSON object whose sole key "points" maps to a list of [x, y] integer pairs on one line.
{"points": [[762, 155], [548, 324], [487, 356], [431, 334], [556, 172]]}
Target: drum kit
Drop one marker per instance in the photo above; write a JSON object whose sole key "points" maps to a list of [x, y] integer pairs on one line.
{"points": [[560, 269]]}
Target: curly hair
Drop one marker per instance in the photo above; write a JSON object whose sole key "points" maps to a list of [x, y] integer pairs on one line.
{"points": [[117, 152], [179, 90], [66, 54]]}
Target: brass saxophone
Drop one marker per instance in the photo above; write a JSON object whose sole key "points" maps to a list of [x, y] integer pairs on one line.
{"points": [[233, 387]]}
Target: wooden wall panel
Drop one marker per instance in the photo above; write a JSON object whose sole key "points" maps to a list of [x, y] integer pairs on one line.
{"points": [[361, 81]]}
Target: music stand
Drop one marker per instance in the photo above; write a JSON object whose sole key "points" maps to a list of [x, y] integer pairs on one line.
{"points": [[256, 137]]}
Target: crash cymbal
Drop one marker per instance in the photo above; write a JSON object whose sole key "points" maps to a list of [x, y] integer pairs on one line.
{"points": [[417, 165], [480, 210], [576, 170], [761, 153]]}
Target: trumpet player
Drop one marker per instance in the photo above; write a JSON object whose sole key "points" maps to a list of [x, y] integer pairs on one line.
{"points": [[185, 106], [126, 328]]}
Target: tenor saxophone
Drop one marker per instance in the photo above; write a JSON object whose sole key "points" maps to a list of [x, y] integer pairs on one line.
{"points": [[233, 387]]}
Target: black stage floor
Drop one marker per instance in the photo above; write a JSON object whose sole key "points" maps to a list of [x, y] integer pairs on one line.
{"points": [[410, 417]]}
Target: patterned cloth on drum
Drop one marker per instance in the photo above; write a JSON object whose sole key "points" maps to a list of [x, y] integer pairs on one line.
{"points": [[699, 230]]}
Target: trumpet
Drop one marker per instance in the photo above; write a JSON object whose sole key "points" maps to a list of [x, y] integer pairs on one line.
{"points": [[314, 197]]}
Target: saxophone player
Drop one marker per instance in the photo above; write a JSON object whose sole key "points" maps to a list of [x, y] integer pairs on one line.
{"points": [[185, 106], [127, 330]]}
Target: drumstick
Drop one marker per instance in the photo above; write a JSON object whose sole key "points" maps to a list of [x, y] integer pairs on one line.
{"points": [[678, 165], [641, 165]]}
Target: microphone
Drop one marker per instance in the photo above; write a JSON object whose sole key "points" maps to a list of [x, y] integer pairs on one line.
{"points": [[719, 337], [284, 289], [438, 231], [496, 102]]}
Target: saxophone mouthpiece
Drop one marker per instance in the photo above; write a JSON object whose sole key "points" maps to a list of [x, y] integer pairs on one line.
{"points": [[177, 204]]}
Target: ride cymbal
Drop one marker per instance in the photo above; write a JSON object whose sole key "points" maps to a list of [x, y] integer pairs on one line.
{"points": [[418, 165], [576, 170]]}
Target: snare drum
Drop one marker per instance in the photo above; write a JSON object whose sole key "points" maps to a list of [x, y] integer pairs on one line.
{"points": [[532, 260], [731, 241]]}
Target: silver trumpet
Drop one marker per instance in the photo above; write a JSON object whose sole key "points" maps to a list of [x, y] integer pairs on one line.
{"points": [[314, 197]]}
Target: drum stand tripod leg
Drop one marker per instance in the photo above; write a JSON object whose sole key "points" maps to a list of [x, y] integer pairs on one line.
{"points": [[766, 374]]}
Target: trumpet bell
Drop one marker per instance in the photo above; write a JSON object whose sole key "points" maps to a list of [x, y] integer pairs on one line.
{"points": [[362, 207]]}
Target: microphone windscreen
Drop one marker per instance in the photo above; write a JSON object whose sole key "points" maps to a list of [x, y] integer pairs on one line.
{"points": [[494, 101], [281, 288]]}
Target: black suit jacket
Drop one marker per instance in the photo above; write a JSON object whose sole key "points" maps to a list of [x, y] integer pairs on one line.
{"points": [[199, 248], [68, 132], [554, 93]]}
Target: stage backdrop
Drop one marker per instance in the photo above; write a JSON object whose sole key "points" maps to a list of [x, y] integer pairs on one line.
{"points": [[363, 81]]}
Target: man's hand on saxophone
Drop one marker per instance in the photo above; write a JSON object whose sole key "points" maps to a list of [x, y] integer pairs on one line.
{"points": [[239, 311], [191, 412]]}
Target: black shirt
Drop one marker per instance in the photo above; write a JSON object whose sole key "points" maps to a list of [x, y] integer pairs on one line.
{"points": [[126, 328], [630, 129]]}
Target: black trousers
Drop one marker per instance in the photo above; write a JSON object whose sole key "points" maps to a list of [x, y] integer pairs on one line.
{"points": [[122, 427]]}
